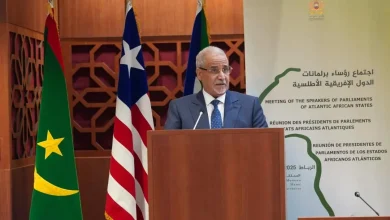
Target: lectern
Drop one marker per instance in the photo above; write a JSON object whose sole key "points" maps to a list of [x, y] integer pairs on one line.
{"points": [[218, 174]]}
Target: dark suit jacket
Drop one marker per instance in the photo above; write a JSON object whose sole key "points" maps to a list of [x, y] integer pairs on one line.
{"points": [[241, 111]]}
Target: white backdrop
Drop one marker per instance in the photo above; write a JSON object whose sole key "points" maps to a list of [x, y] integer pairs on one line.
{"points": [[323, 75]]}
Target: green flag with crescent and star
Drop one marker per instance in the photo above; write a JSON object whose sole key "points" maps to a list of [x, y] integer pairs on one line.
{"points": [[56, 191]]}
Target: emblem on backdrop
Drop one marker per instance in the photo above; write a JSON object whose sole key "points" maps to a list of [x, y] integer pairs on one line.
{"points": [[316, 10]]}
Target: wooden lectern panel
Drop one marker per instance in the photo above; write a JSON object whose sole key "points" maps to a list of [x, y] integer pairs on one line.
{"points": [[347, 218], [225, 174]]}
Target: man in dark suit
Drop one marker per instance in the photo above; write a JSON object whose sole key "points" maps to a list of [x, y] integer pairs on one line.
{"points": [[215, 106]]}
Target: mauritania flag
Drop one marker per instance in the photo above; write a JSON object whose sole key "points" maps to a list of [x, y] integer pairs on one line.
{"points": [[199, 40], [56, 191], [127, 190]]}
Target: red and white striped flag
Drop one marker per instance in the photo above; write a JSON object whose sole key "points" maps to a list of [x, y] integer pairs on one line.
{"points": [[127, 190]]}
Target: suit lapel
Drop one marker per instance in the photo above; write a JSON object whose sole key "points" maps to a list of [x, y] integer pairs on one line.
{"points": [[198, 105], [232, 107]]}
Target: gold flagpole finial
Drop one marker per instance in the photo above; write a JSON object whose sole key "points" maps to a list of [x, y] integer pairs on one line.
{"points": [[50, 12], [49, 9]]}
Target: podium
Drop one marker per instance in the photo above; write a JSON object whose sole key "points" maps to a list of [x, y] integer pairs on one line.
{"points": [[212, 174], [346, 218]]}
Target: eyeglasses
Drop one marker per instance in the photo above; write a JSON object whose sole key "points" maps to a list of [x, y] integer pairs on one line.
{"points": [[215, 70]]}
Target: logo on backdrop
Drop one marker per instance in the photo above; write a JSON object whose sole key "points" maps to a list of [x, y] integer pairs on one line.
{"points": [[316, 10]]}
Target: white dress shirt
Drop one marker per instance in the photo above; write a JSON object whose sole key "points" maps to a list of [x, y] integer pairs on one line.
{"points": [[221, 105]]}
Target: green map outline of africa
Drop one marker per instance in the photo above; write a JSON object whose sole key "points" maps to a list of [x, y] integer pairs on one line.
{"points": [[308, 142]]}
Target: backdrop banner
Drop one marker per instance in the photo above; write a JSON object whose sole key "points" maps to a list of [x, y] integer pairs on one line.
{"points": [[321, 70]]}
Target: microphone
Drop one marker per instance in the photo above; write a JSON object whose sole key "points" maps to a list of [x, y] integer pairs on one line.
{"points": [[357, 194], [196, 123]]}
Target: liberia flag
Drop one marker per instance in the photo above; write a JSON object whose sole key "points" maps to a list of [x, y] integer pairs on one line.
{"points": [[127, 190]]}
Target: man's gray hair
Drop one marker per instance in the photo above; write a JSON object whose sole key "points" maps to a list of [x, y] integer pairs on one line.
{"points": [[201, 57]]}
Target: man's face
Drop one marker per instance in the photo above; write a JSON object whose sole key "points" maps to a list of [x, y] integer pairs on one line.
{"points": [[214, 80]]}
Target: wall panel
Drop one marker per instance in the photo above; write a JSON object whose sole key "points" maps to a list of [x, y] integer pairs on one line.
{"points": [[102, 18], [176, 17], [91, 18], [28, 14], [225, 16], [5, 139], [5, 195], [3, 11]]}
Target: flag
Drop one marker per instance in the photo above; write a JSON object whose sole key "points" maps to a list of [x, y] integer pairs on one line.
{"points": [[56, 191], [199, 40], [127, 190]]}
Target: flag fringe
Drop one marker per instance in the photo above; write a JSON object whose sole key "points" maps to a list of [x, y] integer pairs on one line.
{"points": [[107, 216]]}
